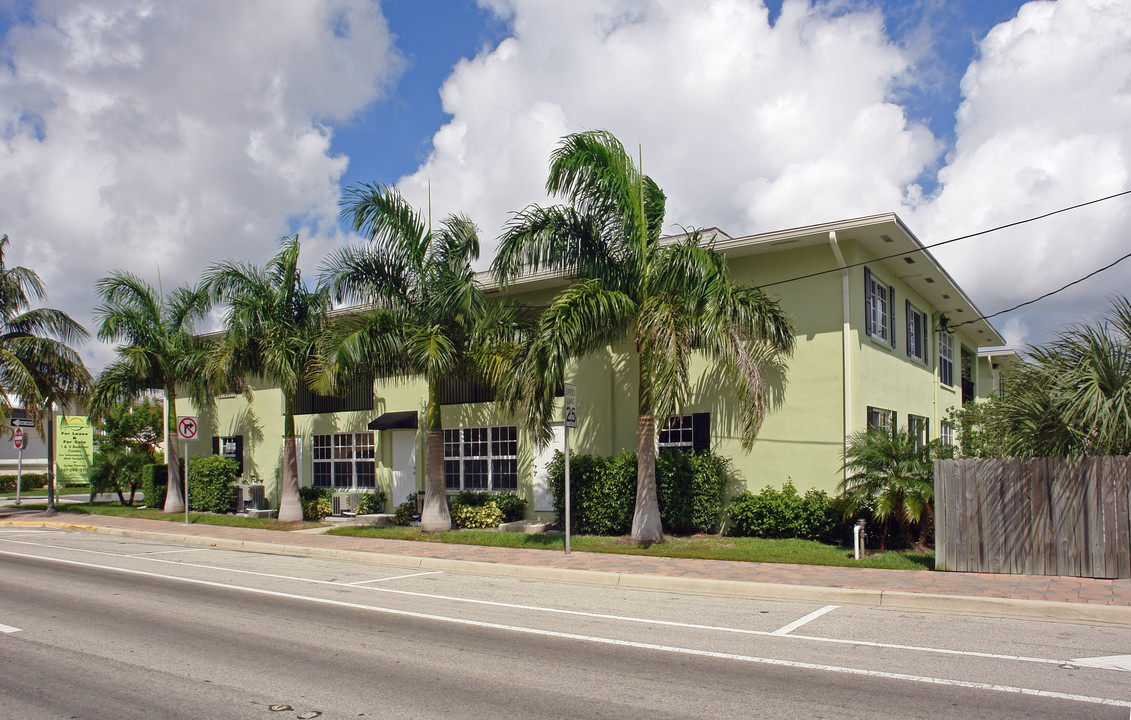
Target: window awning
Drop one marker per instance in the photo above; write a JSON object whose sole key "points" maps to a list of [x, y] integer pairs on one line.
{"points": [[406, 420]]}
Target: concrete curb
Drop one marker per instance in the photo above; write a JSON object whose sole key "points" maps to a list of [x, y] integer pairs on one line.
{"points": [[1022, 609]]}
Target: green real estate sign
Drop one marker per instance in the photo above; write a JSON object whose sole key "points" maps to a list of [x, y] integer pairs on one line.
{"points": [[74, 449]]}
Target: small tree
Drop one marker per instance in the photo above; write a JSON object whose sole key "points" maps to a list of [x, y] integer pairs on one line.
{"points": [[893, 478], [127, 435]]}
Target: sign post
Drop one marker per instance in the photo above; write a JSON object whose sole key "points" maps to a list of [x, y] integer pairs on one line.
{"points": [[20, 441], [569, 415], [187, 427]]}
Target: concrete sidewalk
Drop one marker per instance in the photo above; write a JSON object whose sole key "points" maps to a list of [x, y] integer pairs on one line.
{"points": [[1020, 596]]}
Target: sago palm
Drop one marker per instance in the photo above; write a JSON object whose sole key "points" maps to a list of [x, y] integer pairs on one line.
{"points": [[670, 300], [157, 350], [273, 321], [421, 313], [892, 474]]}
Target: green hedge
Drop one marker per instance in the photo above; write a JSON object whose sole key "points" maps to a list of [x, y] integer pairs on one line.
{"points": [[511, 505], [404, 513], [691, 491], [784, 513], [155, 484], [371, 503], [35, 481], [476, 516], [316, 502], [211, 483]]}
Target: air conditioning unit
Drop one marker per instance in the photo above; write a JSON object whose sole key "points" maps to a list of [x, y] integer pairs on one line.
{"points": [[249, 496], [345, 502]]}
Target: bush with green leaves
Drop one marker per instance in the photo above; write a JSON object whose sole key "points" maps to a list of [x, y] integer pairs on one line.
{"points": [[28, 480], [155, 484], [371, 503], [691, 489], [127, 437], [512, 506], [784, 513], [316, 503], [404, 513], [212, 483], [476, 516]]}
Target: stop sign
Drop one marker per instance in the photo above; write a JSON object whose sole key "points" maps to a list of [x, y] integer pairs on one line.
{"points": [[18, 438]]}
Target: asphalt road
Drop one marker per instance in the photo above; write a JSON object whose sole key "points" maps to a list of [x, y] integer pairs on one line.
{"points": [[100, 627]]}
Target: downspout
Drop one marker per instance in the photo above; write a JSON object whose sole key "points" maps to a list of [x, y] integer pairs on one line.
{"points": [[845, 336]]}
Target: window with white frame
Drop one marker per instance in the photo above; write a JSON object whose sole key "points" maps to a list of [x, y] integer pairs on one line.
{"points": [[917, 333], [678, 433], [344, 460], [946, 433], [920, 428], [946, 362], [484, 458], [879, 304]]}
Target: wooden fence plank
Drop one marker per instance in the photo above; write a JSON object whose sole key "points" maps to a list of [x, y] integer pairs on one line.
{"points": [[1121, 480]]}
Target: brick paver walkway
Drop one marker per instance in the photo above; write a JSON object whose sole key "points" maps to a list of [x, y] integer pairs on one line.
{"points": [[983, 585]]}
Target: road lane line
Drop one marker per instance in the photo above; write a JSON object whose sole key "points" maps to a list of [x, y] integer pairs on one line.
{"points": [[395, 577], [167, 552], [840, 669], [787, 629], [559, 611], [8, 629]]}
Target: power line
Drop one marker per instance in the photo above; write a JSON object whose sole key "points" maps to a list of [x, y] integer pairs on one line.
{"points": [[924, 248]]}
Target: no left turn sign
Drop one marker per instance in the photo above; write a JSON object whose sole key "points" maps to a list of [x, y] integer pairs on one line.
{"points": [[187, 427]]}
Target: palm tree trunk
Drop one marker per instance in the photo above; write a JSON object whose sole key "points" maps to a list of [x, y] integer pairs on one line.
{"points": [[646, 525], [434, 517], [174, 496], [290, 505]]}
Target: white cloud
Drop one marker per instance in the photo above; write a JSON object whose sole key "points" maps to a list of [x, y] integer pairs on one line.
{"points": [[746, 126], [138, 134], [1045, 123]]}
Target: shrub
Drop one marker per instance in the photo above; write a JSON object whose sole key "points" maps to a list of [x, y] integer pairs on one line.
{"points": [[371, 503], [476, 516], [155, 484], [316, 503], [510, 504], [27, 480], [404, 513], [691, 488], [211, 479], [783, 513]]}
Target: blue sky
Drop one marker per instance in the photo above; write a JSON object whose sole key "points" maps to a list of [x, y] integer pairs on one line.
{"points": [[161, 137]]}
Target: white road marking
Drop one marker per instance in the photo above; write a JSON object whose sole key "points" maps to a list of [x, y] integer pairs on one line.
{"points": [[1112, 702], [1109, 662], [167, 552], [558, 611], [31, 531], [787, 629], [395, 577], [8, 629]]}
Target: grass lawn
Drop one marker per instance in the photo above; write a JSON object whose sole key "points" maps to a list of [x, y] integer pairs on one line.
{"points": [[704, 547], [113, 508]]}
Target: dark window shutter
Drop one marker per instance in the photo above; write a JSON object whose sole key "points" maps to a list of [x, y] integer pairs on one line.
{"points": [[215, 445], [926, 341], [891, 313], [911, 316], [701, 432], [867, 301]]}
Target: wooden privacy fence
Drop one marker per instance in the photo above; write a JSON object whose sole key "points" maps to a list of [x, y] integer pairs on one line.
{"points": [[1038, 516]]}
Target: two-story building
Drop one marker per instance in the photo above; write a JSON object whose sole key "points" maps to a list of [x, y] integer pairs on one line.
{"points": [[883, 336]]}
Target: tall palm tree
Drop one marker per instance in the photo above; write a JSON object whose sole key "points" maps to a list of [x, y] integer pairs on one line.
{"points": [[272, 324], [158, 350], [424, 314], [37, 365], [893, 475], [670, 300]]}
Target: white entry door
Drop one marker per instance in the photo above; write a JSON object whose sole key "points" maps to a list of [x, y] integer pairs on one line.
{"points": [[543, 498], [404, 465]]}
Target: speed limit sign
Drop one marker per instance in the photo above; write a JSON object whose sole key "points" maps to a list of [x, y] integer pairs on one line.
{"points": [[18, 438]]}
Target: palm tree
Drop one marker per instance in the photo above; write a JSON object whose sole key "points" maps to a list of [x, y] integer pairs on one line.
{"points": [[37, 365], [425, 315], [892, 475], [671, 300], [158, 350], [1073, 397], [273, 322]]}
